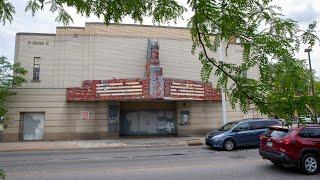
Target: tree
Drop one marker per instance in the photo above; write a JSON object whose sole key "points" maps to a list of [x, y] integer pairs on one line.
{"points": [[317, 93], [2, 174], [289, 93], [265, 35], [10, 75], [317, 87]]}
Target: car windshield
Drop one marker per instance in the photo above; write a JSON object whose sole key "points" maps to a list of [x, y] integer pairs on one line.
{"points": [[228, 126], [276, 133]]}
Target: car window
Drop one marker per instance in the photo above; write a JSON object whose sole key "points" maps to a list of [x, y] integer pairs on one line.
{"points": [[273, 122], [228, 126], [242, 127], [257, 125], [310, 133], [276, 133]]}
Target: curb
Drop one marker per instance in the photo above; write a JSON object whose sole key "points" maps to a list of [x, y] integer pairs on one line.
{"points": [[195, 143], [79, 147]]}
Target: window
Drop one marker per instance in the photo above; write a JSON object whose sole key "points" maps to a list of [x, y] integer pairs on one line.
{"points": [[273, 122], [242, 127], [36, 69], [228, 126], [257, 125], [310, 133], [276, 132]]}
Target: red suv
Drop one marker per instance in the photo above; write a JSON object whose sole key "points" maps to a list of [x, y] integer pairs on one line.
{"points": [[298, 146]]}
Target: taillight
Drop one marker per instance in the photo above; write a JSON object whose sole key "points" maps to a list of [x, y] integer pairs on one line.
{"points": [[287, 141]]}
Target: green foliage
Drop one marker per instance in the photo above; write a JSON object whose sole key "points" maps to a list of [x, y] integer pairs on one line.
{"points": [[317, 87], [33, 6], [112, 10], [2, 174], [309, 36], [11, 75], [289, 93], [64, 17], [269, 42], [266, 37], [6, 11]]}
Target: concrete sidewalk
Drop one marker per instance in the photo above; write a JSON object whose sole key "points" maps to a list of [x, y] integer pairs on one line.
{"points": [[101, 144]]}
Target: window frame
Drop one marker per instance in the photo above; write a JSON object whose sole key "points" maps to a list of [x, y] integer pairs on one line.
{"points": [[254, 124], [36, 75], [241, 124], [310, 134]]}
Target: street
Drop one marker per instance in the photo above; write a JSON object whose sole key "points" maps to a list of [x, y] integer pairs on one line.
{"points": [[198, 162]]}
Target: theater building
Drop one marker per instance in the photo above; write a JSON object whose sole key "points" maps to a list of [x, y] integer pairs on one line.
{"points": [[98, 82]]}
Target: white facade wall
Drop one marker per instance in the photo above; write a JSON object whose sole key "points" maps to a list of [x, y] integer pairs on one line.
{"points": [[98, 52]]}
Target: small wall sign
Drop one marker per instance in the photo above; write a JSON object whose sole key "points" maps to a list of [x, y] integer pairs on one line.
{"points": [[85, 115], [185, 118]]}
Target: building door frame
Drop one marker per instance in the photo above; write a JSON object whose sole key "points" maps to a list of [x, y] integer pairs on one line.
{"points": [[152, 107], [37, 130]]}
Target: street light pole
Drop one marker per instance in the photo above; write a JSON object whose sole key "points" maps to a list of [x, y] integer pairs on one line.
{"points": [[308, 50]]}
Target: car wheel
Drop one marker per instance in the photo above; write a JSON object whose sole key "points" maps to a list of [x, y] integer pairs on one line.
{"points": [[310, 164], [229, 145]]}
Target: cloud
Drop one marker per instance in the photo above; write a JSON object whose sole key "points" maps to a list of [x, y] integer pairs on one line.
{"points": [[44, 21], [305, 15]]}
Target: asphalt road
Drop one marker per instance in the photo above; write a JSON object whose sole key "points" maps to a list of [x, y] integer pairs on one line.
{"points": [[198, 163]]}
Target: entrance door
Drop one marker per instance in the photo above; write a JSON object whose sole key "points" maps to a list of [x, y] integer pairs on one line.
{"points": [[147, 122], [147, 119], [33, 126]]}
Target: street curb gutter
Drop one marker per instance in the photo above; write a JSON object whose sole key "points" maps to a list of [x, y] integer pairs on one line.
{"points": [[87, 146], [95, 144], [196, 142]]}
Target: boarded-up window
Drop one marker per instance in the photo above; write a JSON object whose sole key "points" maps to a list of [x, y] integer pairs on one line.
{"points": [[33, 125]]}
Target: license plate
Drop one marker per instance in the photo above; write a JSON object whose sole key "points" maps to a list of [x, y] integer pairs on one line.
{"points": [[269, 144]]}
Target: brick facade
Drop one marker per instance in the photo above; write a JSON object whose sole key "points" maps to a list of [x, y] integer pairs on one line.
{"points": [[90, 69], [153, 87]]}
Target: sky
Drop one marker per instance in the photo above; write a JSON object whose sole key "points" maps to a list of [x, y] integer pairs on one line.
{"points": [[44, 22]]}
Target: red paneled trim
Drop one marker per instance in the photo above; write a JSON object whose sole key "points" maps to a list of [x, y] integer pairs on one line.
{"points": [[138, 89], [178, 89]]}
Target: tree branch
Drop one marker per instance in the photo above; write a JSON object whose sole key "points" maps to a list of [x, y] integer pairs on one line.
{"points": [[219, 67]]}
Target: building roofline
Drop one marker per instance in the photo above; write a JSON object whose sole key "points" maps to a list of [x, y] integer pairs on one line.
{"points": [[98, 23], [139, 25], [36, 34], [70, 27]]}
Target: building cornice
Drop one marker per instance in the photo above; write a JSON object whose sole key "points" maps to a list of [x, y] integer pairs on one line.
{"points": [[35, 34]]}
